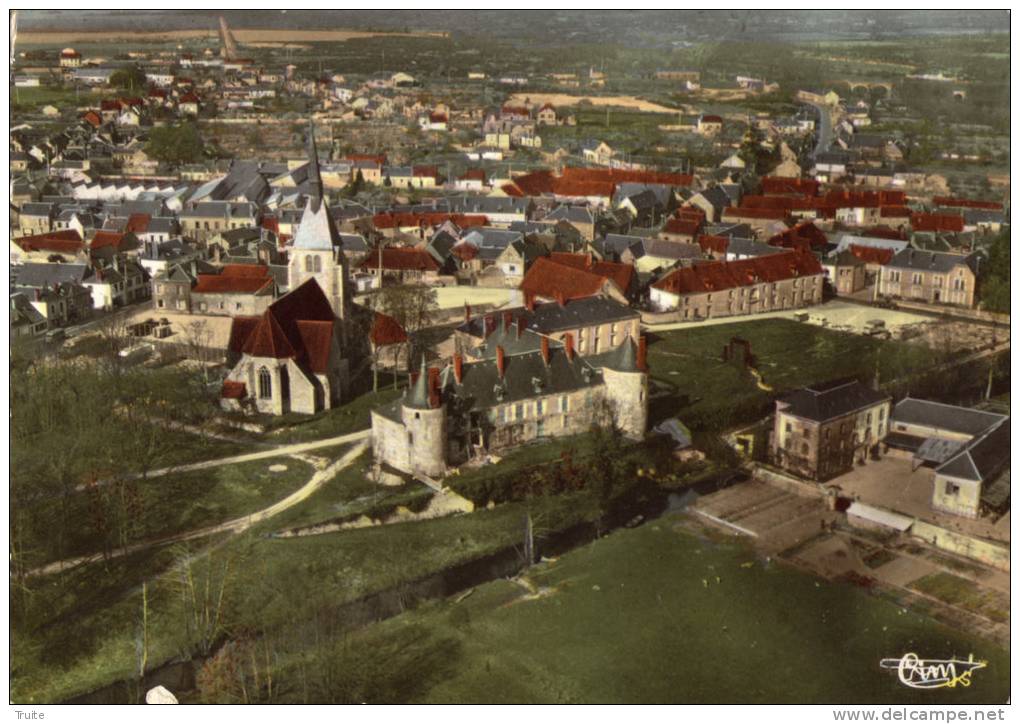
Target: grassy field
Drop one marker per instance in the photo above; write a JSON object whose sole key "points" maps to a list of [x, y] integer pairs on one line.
{"points": [[270, 585], [963, 593], [167, 504], [712, 395], [353, 416], [653, 614]]}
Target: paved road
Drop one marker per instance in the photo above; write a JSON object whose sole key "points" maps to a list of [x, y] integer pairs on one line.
{"points": [[237, 525]]}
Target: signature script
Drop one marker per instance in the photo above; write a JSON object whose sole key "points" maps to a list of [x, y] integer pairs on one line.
{"points": [[918, 673]]}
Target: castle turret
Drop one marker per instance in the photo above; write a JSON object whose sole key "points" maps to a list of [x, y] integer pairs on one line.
{"points": [[626, 380], [424, 416]]}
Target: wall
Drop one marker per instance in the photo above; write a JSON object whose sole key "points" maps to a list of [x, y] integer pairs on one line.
{"points": [[978, 549]]}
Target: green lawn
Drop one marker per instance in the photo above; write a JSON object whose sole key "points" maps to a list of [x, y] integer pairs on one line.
{"points": [[47, 95], [713, 395], [350, 417], [963, 593], [650, 615], [273, 586], [161, 506]]}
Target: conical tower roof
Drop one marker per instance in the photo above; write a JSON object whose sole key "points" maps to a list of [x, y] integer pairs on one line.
{"points": [[624, 357], [317, 229], [314, 177], [418, 397]]}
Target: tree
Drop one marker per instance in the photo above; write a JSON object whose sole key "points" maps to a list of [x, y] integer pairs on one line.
{"points": [[175, 144], [356, 186], [995, 275], [131, 78]]}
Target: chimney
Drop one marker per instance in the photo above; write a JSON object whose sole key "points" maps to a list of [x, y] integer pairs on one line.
{"points": [[490, 325], [642, 353], [508, 318], [500, 361], [560, 299], [529, 302], [568, 341], [467, 312], [433, 387], [545, 350], [458, 368]]}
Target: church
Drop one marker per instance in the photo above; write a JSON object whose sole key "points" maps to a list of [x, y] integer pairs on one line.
{"points": [[297, 356]]}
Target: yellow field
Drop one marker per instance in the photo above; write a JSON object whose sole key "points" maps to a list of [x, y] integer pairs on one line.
{"points": [[564, 99]]}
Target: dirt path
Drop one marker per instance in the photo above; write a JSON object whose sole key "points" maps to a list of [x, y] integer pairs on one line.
{"points": [[291, 450], [323, 473]]}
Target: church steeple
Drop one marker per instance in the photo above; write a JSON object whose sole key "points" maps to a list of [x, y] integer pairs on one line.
{"points": [[314, 178]]}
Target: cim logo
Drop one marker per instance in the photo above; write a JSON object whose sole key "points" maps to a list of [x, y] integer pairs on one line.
{"points": [[918, 673]]}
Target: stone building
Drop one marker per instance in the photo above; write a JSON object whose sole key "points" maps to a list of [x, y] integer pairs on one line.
{"points": [[289, 359], [596, 325], [930, 276], [821, 431], [788, 280], [469, 408]]}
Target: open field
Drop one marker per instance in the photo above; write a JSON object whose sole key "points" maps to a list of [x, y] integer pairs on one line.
{"points": [[242, 36], [565, 99], [714, 623]]}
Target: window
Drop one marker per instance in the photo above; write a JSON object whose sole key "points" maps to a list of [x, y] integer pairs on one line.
{"points": [[789, 427], [916, 278], [308, 263], [317, 261], [804, 448], [539, 407], [519, 411], [952, 489], [881, 413], [869, 419], [936, 281], [265, 384], [564, 404]]}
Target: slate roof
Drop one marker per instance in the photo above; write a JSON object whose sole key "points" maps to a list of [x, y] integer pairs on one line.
{"points": [[39, 276], [928, 413], [935, 261], [830, 400], [551, 317], [982, 458]]}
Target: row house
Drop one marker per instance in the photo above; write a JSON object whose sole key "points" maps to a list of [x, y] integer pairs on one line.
{"points": [[930, 276]]}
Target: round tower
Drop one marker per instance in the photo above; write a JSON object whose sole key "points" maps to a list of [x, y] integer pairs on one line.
{"points": [[424, 416], [626, 378]]}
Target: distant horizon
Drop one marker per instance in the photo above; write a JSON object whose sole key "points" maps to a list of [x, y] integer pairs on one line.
{"points": [[733, 25]]}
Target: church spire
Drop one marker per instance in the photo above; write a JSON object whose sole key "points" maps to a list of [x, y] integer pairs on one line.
{"points": [[314, 178]]}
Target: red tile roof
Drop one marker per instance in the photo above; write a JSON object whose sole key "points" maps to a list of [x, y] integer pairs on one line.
{"points": [[138, 223], [92, 118], [375, 158], [426, 171], [622, 275], [386, 330], [549, 280], [895, 212], [299, 325], [959, 203], [65, 241], [465, 251], [871, 254], [687, 227], [797, 186], [804, 236], [715, 276], [233, 390], [744, 212], [851, 198], [717, 244], [711, 119], [235, 279], [397, 258], [616, 175], [189, 98], [936, 222], [103, 239], [474, 174]]}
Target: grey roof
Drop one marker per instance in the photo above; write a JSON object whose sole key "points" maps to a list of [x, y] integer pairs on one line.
{"points": [[36, 209], [514, 338], [487, 204], [629, 189], [982, 458], [937, 261], [39, 276], [485, 237], [162, 225], [616, 244], [731, 230], [663, 249], [526, 376], [752, 248], [717, 197], [965, 420], [22, 311], [937, 450], [551, 317], [830, 400], [220, 209], [845, 240], [676, 430], [983, 216], [418, 397], [574, 214]]}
